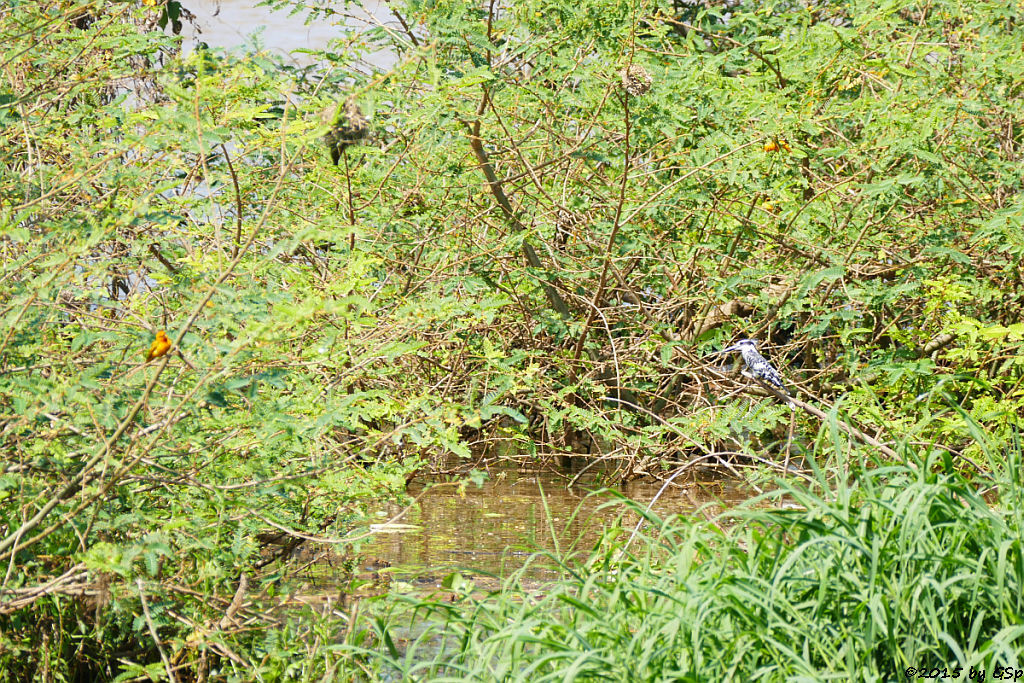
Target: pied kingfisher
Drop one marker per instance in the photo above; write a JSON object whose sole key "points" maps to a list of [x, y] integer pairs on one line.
{"points": [[758, 366]]}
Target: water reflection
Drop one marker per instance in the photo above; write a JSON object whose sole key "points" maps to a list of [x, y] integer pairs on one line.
{"points": [[494, 528]]}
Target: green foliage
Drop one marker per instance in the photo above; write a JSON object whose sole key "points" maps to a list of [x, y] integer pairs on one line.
{"points": [[535, 245]]}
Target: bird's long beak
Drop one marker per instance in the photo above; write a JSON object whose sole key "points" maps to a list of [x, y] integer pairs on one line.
{"points": [[728, 349]]}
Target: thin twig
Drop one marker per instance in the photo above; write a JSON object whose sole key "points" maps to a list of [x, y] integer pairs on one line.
{"points": [[152, 632], [238, 203]]}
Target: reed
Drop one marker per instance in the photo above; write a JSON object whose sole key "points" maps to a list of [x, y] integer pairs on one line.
{"points": [[909, 566]]}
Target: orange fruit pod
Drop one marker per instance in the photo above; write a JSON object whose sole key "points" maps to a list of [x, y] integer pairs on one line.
{"points": [[160, 346]]}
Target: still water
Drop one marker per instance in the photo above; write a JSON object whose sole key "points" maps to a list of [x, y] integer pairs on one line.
{"points": [[495, 527], [238, 24]]}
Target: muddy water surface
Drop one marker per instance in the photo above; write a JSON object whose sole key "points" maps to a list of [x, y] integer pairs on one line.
{"points": [[495, 528]]}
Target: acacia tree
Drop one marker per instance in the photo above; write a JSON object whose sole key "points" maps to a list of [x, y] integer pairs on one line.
{"points": [[144, 191], [635, 184]]}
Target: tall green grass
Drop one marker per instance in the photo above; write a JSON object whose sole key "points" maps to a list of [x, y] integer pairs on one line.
{"points": [[837, 578]]}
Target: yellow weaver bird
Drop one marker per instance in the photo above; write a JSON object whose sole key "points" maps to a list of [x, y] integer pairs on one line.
{"points": [[775, 144], [160, 346]]}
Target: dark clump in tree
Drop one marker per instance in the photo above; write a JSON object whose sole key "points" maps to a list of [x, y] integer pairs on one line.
{"points": [[348, 126]]}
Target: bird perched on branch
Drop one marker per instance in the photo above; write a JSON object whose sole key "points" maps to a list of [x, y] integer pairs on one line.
{"points": [[758, 366], [160, 346], [347, 126]]}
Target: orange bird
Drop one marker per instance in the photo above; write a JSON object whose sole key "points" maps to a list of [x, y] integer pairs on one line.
{"points": [[160, 346]]}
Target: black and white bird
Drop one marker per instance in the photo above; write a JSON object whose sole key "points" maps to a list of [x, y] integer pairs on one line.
{"points": [[758, 366]]}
